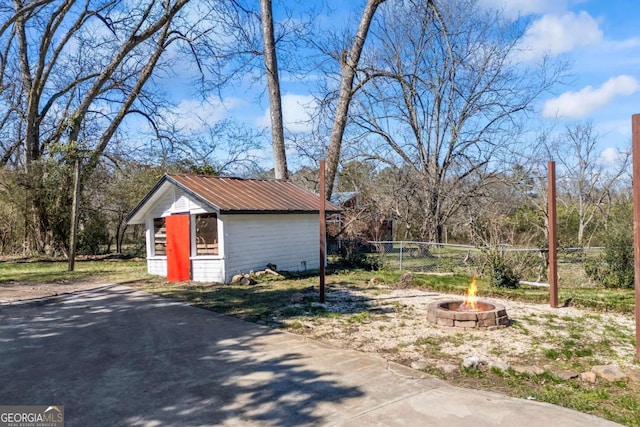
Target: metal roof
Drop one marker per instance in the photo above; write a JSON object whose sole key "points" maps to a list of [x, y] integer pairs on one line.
{"points": [[345, 196], [239, 195]]}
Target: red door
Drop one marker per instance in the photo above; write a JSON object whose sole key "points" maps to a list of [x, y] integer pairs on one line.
{"points": [[178, 248]]}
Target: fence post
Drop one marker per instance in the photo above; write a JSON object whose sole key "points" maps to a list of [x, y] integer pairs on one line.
{"points": [[553, 235], [401, 246], [635, 132]]}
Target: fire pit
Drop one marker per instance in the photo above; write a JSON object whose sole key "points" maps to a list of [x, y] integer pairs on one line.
{"points": [[468, 313]]}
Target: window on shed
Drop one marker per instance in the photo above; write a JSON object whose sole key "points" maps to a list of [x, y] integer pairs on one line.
{"points": [[207, 234], [159, 237]]}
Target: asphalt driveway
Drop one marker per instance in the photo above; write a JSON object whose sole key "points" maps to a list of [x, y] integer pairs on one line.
{"points": [[118, 357]]}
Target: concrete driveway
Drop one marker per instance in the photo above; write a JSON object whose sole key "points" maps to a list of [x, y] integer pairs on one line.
{"points": [[117, 357]]}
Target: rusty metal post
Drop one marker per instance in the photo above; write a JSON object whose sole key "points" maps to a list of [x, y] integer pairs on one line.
{"points": [[553, 236], [323, 231], [635, 126]]}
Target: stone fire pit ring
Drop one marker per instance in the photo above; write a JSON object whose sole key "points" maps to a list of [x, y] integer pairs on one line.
{"points": [[489, 315]]}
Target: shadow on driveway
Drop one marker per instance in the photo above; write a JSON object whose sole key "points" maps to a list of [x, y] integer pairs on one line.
{"points": [[113, 356]]}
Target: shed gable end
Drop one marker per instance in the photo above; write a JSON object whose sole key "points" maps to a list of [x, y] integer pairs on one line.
{"points": [[171, 200]]}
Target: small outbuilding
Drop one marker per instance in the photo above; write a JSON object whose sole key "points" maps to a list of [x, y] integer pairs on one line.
{"points": [[207, 228]]}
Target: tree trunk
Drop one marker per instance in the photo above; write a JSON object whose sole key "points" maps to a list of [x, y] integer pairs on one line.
{"points": [[273, 83], [348, 67]]}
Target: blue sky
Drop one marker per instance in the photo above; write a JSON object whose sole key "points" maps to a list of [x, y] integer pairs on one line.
{"points": [[599, 38]]}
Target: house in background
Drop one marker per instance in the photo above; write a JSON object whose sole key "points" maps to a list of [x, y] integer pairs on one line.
{"points": [[207, 228], [358, 220]]}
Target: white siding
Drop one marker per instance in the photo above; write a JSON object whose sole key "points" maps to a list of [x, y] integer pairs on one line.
{"points": [[207, 270], [157, 266], [173, 201], [149, 236], [289, 241], [163, 206], [246, 242]]}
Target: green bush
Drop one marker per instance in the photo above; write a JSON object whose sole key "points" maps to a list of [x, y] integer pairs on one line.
{"points": [[501, 274], [354, 253], [93, 235], [614, 269]]}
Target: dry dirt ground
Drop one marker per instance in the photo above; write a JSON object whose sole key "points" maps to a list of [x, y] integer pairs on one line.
{"points": [[13, 291], [392, 322]]}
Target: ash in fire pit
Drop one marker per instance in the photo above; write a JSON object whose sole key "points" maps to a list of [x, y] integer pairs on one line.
{"points": [[469, 313]]}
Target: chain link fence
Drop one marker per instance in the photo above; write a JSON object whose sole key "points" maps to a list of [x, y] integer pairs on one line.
{"points": [[530, 264], [426, 257]]}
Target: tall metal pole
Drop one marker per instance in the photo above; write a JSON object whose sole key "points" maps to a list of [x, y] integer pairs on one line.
{"points": [[553, 236], [323, 231], [635, 125], [75, 203]]}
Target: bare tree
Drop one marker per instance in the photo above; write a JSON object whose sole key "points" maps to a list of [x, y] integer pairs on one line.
{"points": [[71, 72], [273, 83], [252, 47], [445, 98], [348, 68], [586, 184]]}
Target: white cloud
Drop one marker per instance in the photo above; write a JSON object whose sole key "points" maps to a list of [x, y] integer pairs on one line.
{"points": [[554, 34], [580, 104], [296, 111], [194, 115], [609, 156]]}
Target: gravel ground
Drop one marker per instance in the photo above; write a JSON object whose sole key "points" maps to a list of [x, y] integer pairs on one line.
{"points": [[392, 322]]}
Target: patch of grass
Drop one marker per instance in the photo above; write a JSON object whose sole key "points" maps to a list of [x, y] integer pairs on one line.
{"points": [[362, 317], [617, 332], [583, 352], [551, 353], [428, 341], [517, 325], [461, 338], [473, 372], [331, 315], [296, 324], [499, 372], [567, 353], [108, 271], [618, 402], [262, 301], [497, 351], [621, 300]]}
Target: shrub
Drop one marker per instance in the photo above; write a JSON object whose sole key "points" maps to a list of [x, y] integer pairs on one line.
{"points": [[93, 235], [614, 269], [354, 253], [501, 274]]}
